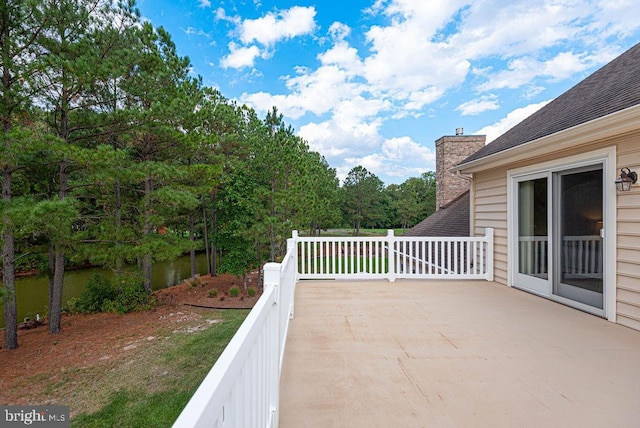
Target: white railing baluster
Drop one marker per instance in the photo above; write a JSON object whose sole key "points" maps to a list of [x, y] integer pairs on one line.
{"points": [[393, 257], [333, 256]]}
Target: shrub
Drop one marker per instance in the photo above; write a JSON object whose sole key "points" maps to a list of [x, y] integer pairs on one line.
{"points": [[99, 290], [251, 292], [123, 294], [234, 292], [213, 292], [130, 295]]}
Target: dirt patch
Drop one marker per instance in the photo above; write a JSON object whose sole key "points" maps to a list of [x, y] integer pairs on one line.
{"points": [[29, 374]]}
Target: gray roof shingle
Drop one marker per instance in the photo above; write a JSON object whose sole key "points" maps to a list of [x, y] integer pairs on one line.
{"points": [[614, 87], [450, 220]]}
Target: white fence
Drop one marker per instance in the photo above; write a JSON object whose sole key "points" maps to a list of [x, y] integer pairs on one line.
{"points": [[242, 388], [533, 252], [581, 256], [392, 257]]}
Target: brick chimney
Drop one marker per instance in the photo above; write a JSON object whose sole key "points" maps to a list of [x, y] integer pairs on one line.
{"points": [[450, 151]]}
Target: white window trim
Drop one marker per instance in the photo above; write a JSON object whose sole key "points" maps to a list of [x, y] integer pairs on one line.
{"points": [[606, 156]]}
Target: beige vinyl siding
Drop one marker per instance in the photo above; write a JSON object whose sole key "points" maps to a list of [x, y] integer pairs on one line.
{"points": [[490, 199], [490, 210], [628, 242]]}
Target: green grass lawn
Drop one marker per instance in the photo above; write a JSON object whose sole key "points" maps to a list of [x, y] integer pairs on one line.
{"points": [[152, 390], [360, 264]]}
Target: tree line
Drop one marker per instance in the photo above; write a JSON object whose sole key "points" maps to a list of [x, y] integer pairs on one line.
{"points": [[113, 153]]}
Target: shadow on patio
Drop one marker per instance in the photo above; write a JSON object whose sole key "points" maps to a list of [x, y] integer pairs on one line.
{"points": [[453, 353]]}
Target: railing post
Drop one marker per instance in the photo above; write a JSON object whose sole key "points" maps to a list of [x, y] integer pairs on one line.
{"points": [[391, 255], [272, 279], [488, 232], [290, 243], [294, 254]]}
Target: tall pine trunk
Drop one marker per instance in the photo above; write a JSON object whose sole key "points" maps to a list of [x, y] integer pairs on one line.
{"points": [[118, 221], [55, 299], [214, 234], [8, 237], [8, 269], [148, 229], [272, 219], [206, 234], [55, 296], [192, 238]]}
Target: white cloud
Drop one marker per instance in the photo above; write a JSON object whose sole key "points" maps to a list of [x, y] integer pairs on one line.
{"points": [[480, 105], [317, 92], [205, 3], [410, 68], [221, 15], [190, 31], [421, 56], [397, 159], [334, 139], [513, 118], [404, 149], [344, 56], [531, 91], [522, 71], [271, 28], [266, 31], [419, 99], [338, 31], [516, 28], [240, 56]]}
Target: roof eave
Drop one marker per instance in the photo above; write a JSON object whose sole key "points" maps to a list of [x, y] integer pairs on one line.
{"points": [[617, 123]]}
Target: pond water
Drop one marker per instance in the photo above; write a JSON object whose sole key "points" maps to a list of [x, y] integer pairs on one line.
{"points": [[32, 293]]}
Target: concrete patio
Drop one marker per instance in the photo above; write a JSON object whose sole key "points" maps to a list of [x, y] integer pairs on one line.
{"points": [[453, 354]]}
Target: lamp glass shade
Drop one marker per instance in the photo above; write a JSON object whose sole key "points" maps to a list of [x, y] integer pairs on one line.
{"points": [[623, 184]]}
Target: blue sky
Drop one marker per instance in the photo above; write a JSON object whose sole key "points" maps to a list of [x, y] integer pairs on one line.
{"points": [[375, 83]]}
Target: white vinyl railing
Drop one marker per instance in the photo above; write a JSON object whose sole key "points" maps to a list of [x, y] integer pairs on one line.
{"points": [[242, 388], [392, 257], [533, 252], [581, 256]]}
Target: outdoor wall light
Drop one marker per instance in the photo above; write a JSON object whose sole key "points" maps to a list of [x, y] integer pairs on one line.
{"points": [[626, 179]]}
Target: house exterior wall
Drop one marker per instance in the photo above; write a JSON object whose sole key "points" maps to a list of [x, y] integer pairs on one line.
{"points": [[489, 209], [628, 243], [489, 200]]}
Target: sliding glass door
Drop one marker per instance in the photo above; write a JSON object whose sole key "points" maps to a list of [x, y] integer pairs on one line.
{"points": [[558, 235], [579, 243], [533, 234]]}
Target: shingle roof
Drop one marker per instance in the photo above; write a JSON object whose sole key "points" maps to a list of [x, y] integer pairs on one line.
{"points": [[450, 220], [614, 87]]}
